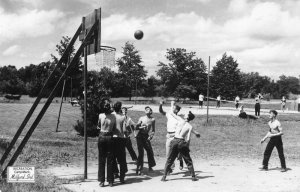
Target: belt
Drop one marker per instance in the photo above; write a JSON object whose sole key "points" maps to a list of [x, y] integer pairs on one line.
{"points": [[171, 132], [106, 133], [179, 138]]}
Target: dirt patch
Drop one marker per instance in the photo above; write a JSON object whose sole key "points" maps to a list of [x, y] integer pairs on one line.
{"points": [[216, 175]]}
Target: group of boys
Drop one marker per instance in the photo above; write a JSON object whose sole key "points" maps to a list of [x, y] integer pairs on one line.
{"points": [[115, 128]]}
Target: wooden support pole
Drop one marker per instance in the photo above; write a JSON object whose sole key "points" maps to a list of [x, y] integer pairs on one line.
{"points": [[39, 97], [47, 104]]}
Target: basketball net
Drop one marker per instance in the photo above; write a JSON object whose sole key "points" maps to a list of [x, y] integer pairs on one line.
{"points": [[105, 58]]}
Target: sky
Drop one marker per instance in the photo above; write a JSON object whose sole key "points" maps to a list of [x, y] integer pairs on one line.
{"points": [[262, 35]]}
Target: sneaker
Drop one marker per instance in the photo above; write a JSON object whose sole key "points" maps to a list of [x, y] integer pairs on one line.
{"points": [[150, 169], [122, 181], [194, 179], [263, 169], [163, 178], [101, 184], [116, 175], [283, 170], [111, 184]]}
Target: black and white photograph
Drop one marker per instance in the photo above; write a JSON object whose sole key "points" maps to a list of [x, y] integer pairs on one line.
{"points": [[149, 95]]}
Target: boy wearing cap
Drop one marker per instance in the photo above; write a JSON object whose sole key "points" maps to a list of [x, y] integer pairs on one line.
{"points": [[146, 130], [274, 134]]}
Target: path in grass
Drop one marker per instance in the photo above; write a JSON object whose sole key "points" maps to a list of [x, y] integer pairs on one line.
{"points": [[226, 175]]}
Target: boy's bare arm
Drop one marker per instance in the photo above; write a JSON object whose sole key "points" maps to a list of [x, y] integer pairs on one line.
{"points": [[196, 133], [161, 109]]}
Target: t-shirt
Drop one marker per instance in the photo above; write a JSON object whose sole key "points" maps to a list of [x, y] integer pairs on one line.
{"points": [[237, 99], [171, 122], [201, 97], [218, 98], [275, 126]]}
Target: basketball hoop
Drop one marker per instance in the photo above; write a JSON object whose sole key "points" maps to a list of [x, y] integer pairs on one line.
{"points": [[106, 57]]}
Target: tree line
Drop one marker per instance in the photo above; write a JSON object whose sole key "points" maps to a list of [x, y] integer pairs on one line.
{"points": [[184, 76]]}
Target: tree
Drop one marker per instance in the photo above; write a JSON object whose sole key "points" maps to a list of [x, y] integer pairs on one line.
{"points": [[226, 78], [288, 85], [130, 68], [150, 86], [10, 81], [184, 71], [253, 83], [75, 73]]}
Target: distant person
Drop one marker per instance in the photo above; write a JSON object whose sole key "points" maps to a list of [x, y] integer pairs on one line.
{"points": [[283, 103], [257, 106], [244, 115], [180, 144], [146, 127], [274, 133], [129, 131], [237, 102], [201, 98], [218, 101], [107, 126]]}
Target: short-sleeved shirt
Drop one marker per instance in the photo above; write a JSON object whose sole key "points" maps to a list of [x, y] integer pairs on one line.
{"points": [[201, 97], [237, 99], [218, 98], [171, 123], [275, 126]]}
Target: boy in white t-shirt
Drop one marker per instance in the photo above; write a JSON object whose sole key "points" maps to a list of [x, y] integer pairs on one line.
{"points": [[274, 134], [201, 98]]}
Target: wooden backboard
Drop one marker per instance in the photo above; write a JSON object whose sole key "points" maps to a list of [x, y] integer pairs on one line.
{"points": [[95, 43]]}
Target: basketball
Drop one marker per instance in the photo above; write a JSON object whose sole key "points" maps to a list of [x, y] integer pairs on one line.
{"points": [[139, 34]]}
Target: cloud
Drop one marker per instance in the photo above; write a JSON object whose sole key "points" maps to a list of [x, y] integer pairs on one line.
{"points": [[259, 34], [27, 23], [46, 56], [11, 50]]}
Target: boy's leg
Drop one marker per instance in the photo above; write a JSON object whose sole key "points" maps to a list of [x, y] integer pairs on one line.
{"points": [[101, 160], [150, 154], [140, 161], [110, 158], [130, 149], [267, 153], [171, 158], [121, 156], [185, 151], [279, 147]]}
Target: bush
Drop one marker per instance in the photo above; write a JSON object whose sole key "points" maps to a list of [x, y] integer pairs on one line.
{"points": [[91, 130]]}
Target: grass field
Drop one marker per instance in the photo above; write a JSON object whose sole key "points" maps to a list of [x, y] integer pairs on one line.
{"points": [[223, 137]]}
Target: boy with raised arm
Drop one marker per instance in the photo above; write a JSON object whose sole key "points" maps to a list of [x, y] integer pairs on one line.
{"points": [[172, 123], [180, 144], [146, 127], [274, 133]]}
